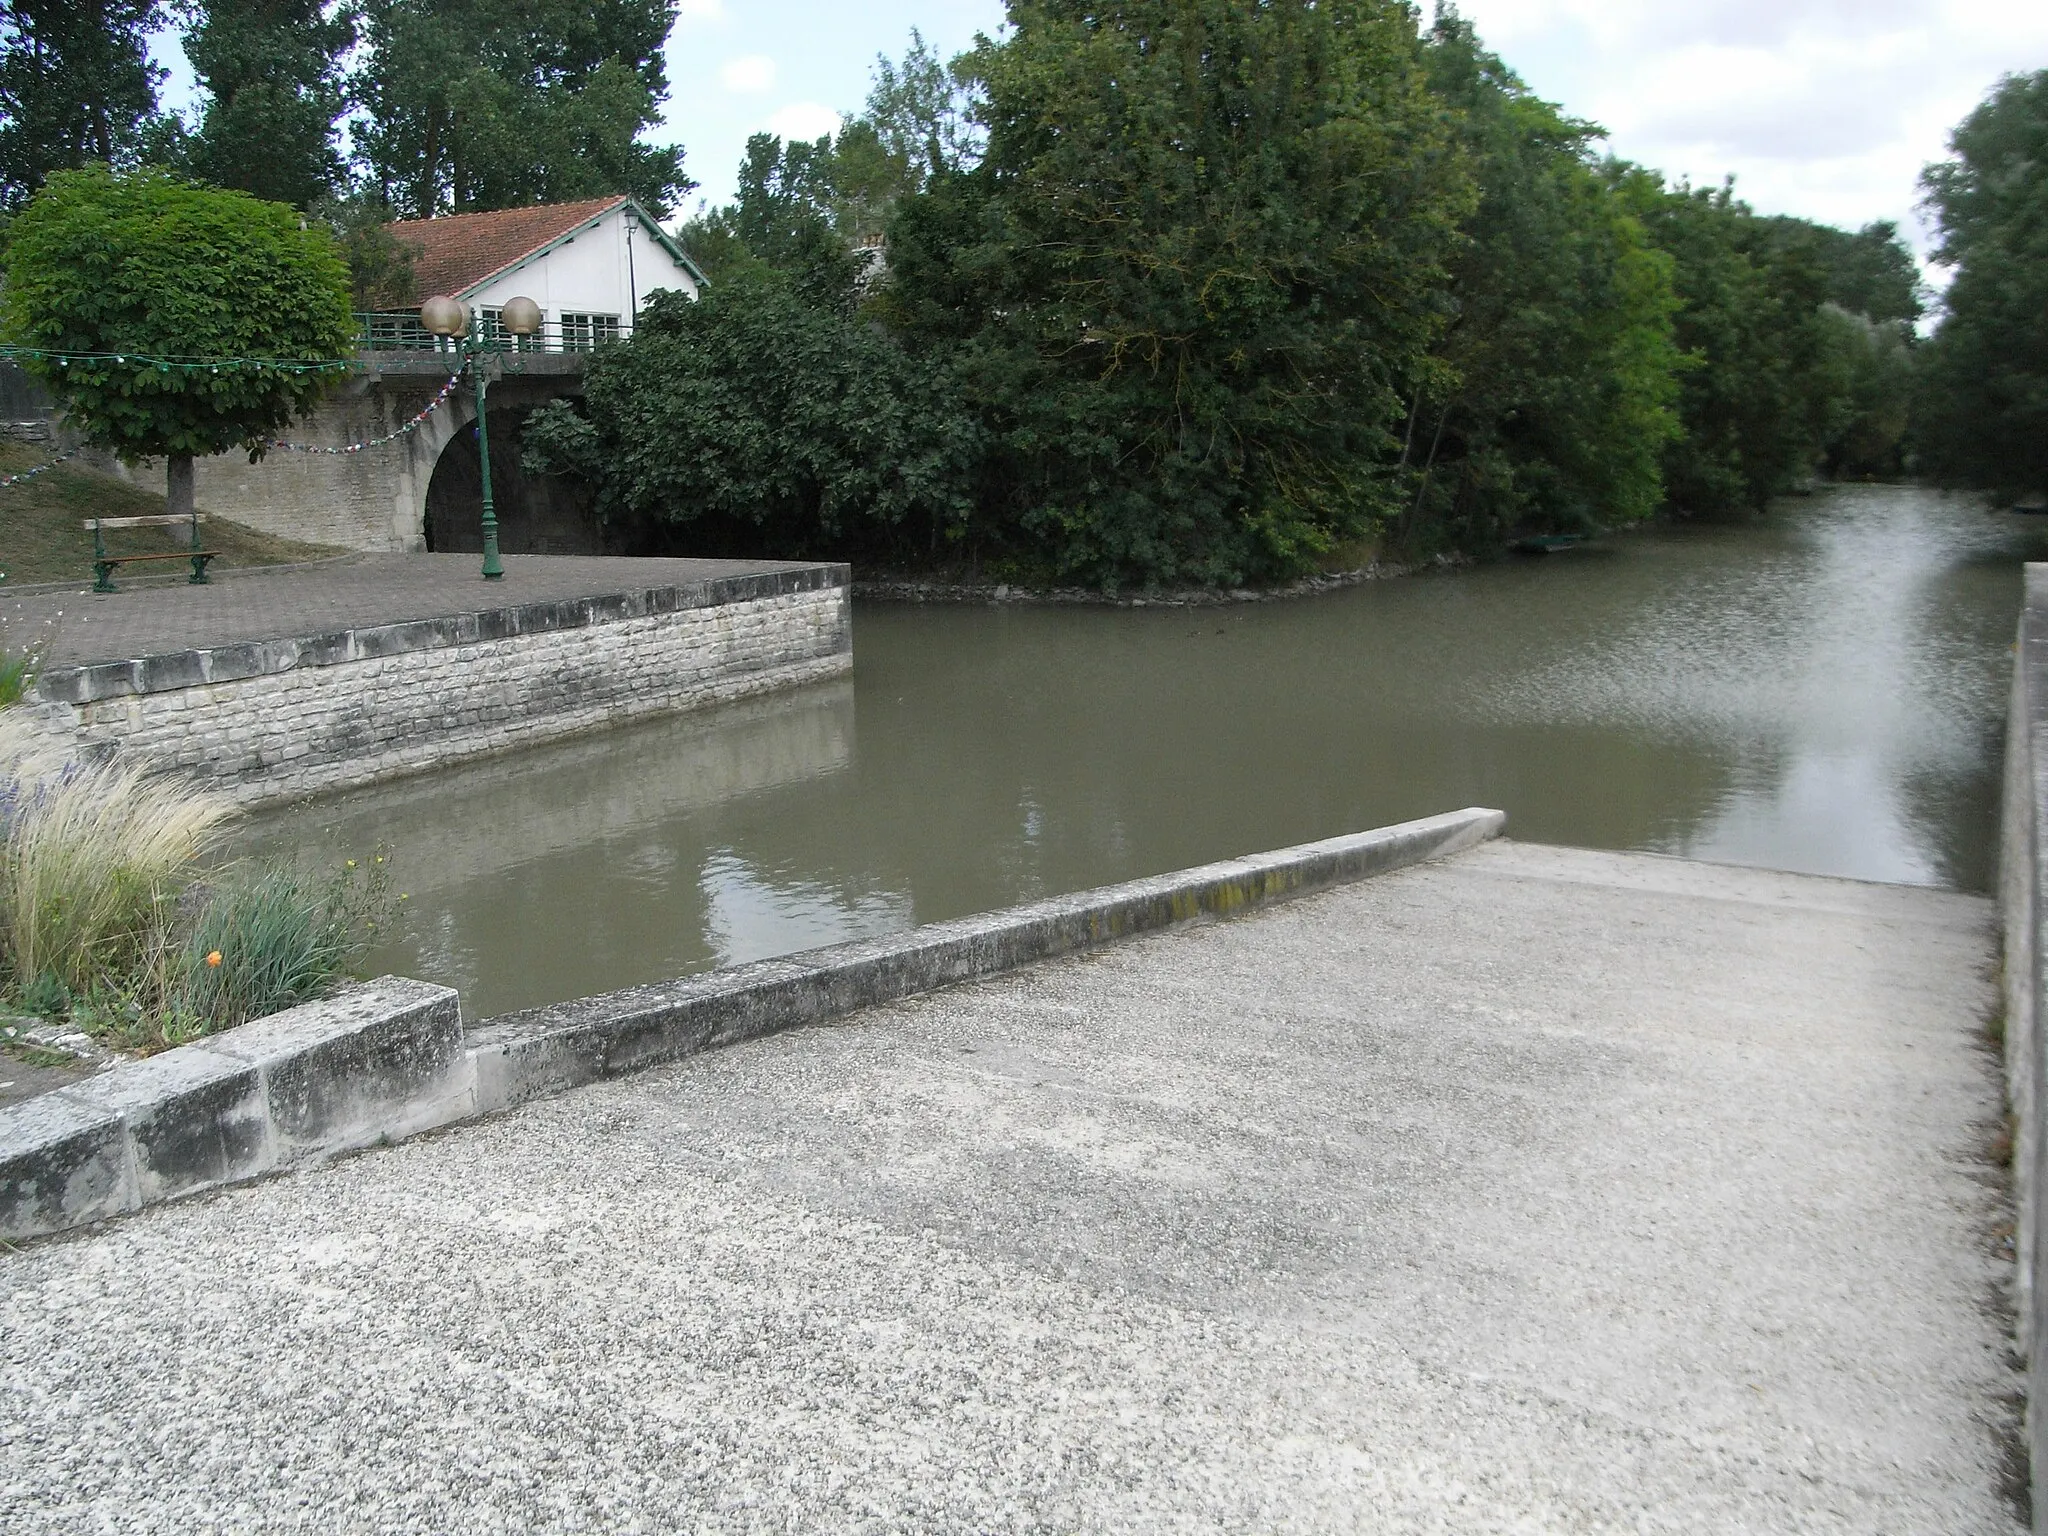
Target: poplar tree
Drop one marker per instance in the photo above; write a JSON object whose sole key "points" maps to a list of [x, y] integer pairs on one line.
{"points": [[271, 73], [478, 104], [76, 85]]}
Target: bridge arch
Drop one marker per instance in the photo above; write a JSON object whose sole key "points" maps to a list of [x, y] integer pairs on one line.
{"points": [[377, 497]]}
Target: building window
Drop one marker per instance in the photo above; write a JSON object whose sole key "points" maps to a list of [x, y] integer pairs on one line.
{"points": [[582, 333], [490, 324]]}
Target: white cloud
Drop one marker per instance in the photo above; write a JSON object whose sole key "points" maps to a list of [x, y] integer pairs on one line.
{"points": [[749, 73], [1824, 108], [804, 120]]}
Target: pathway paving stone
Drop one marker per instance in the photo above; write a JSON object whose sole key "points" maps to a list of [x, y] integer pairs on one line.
{"points": [[325, 598]]}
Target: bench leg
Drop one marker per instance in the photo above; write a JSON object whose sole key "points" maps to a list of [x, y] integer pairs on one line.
{"points": [[104, 574], [199, 577]]}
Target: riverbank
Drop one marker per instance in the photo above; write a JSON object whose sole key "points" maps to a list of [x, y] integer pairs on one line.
{"points": [[913, 589], [305, 679]]}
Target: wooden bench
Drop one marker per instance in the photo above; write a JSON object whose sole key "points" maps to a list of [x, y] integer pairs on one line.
{"points": [[104, 564]]}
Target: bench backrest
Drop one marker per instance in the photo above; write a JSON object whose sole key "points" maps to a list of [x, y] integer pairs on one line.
{"points": [[161, 520]]}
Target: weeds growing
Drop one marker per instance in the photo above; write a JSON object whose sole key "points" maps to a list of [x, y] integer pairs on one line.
{"points": [[109, 916]]}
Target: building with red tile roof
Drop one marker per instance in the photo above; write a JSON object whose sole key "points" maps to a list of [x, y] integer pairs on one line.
{"points": [[589, 265]]}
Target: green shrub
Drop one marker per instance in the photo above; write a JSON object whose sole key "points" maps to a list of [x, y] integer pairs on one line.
{"points": [[265, 939]]}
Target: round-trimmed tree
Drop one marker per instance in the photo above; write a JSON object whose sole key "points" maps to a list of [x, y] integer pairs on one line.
{"points": [[174, 320]]}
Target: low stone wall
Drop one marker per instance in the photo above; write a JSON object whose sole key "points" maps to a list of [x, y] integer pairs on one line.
{"points": [[276, 719], [381, 1062], [546, 1050], [390, 1060], [2023, 899]]}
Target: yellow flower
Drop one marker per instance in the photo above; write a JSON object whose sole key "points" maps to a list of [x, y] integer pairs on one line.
{"points": [[349, 864], [213, 957]]}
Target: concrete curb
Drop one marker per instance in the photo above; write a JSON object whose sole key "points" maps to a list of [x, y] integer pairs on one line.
{"points": [[541, 1051], [2023, 904], [389, 1059], [380, 1062]]}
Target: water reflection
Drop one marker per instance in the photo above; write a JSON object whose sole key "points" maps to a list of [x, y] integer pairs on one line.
{"points": [[1820, 690]]}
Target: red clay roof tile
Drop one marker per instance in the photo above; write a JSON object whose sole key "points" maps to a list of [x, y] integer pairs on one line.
{"points": [[459, 250]]}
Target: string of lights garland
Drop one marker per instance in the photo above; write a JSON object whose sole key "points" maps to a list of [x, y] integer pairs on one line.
{"points": [[413, 425], [30, 474], [175, 364]]}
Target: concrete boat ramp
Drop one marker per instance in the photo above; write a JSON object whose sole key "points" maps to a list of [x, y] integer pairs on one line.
{"points": [[1528, 1190]]}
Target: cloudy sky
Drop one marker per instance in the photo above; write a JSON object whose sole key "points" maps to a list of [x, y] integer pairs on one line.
{"points": [[1826, 108]]}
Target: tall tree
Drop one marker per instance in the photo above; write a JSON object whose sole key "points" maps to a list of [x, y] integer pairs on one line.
{"points": [[76, 85], [1549, 399], [271, 72], [1757, 398], [480, 104], [1984, 395], [1188, 278], [174, 320]]}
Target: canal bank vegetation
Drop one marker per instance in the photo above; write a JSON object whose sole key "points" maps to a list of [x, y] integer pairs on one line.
{"points": [[1178, 293], [1982, 403], [115, 919]]}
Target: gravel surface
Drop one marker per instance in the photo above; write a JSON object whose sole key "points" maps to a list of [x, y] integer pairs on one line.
{"points": [[1531, 1191]]}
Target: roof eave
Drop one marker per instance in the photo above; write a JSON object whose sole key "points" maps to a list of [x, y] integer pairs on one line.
{"points": [[631, 207]]}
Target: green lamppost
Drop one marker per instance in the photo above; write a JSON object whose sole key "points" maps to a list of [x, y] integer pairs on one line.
{"points": [[443, 316]]}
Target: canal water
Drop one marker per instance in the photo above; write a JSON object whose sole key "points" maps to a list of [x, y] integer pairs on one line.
{"points": [[1821, 689]]}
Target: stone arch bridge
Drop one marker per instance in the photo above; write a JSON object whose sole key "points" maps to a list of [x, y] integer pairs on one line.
{"points": [[422, 490]]}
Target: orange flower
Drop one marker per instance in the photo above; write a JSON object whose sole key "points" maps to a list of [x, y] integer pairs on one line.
{"points": [[213, 957]]}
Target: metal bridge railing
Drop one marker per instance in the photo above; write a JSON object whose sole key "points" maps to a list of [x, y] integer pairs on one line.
{"points": [[401, 331]]}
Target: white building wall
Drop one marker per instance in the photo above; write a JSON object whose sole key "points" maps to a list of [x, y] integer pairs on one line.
{"points": [[609, 269]]}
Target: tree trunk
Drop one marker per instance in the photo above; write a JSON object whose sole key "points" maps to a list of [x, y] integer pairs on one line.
{"points": [[178, 485]]}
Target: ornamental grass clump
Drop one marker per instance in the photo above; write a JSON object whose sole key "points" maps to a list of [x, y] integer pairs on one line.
{"points": [[113, 918], [265, 939], [93, 857]]}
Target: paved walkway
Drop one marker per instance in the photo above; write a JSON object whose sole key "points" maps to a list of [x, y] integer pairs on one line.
{"points": [[1534, 1191], [331, 596]]}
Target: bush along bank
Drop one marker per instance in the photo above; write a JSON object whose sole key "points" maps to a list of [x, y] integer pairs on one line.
{"points": [[1187, 294], [116, 920]]}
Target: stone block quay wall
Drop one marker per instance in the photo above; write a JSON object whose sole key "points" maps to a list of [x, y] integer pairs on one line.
{"points": [[276, 719], [2023, 901]]}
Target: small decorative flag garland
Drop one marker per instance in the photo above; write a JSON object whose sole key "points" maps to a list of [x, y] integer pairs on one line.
{"points": [[412, 425], [30, 474]]}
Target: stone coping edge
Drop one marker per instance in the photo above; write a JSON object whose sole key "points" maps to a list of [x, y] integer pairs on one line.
{"points": [[93, 681], [379, 1062], [542, 1051], [2023, 908], [390, 1059]]}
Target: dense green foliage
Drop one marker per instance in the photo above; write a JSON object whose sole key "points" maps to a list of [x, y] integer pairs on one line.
{"points": [[1224, 288], [1141, 292], [1548, 397], [145, 263], [753, 419], [271, 74], [1984, 401], [76, 86], [472, 104]]}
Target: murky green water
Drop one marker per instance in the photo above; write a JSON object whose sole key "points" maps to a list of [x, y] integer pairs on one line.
{"points": [[1822, 690]]}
